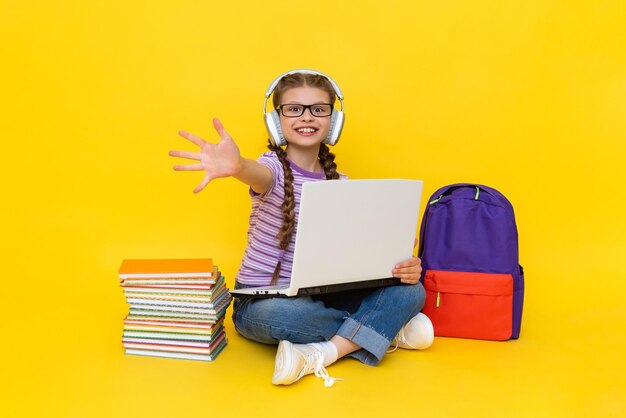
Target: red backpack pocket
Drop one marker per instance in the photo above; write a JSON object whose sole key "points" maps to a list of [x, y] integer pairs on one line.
{"points": [[469, 305]]}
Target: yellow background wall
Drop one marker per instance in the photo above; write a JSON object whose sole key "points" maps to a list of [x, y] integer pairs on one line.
{"points": [[525, 96]]}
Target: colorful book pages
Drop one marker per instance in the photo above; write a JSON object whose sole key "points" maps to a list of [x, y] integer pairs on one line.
{"points": [[168, 319], [185, 315], [172, 326], [170, 348], [168, 336], [212, 302], [175, 323], [172, 306], [179, 355], [169, 281], [201, 290], [175, 294], [155, 344], [176, 308], [181, 330], [172, 284]]}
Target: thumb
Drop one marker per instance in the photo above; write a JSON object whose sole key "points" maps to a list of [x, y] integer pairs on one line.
{"points": [[202, 185]]}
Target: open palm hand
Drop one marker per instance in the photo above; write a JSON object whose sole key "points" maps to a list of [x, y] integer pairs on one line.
{"points": [[222, 159]]}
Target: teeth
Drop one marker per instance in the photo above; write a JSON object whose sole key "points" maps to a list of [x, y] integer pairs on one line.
{"points": [[306, 130]]}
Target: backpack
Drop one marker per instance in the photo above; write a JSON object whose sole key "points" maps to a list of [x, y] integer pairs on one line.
{"points": [[470, 264]]}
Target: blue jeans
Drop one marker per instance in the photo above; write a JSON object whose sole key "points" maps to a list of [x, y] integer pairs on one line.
{"points": [[370, 318]]}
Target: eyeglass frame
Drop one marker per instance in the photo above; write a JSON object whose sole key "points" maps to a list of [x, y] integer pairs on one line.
{"points": [[304, 108]]}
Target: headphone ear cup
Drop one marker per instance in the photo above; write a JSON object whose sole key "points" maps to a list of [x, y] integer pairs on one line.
{"points": [[336, 126], [272, 123]]}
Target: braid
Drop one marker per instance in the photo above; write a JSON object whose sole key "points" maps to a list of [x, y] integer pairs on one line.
{"points": [[327, 159], [288, 206]]}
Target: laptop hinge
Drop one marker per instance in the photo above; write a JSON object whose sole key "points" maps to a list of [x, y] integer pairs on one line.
{"points": [[317, 290]]}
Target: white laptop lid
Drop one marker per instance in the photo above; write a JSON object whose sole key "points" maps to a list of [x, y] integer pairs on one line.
{"points": [[354, 230]]}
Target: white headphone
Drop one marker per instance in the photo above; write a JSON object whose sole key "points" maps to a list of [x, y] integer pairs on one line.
{"points": [[272, 119]]}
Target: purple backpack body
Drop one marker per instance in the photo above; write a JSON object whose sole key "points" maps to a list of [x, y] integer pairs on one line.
{"points": [[468, 233]]}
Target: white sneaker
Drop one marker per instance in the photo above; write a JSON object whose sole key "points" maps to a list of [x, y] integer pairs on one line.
{"points": [[296, 360], [417, 334]]}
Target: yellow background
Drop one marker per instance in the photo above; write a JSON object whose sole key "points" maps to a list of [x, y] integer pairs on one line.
{"points": [[525, 96]]}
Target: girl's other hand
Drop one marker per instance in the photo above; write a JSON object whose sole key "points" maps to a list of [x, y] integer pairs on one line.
{"points": [[408, 271], [217, 160]]}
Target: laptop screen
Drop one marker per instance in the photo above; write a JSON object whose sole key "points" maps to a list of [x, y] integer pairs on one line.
{"points": [[354, 230]]}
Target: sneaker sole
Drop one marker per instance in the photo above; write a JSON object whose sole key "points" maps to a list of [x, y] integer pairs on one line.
{"points": [[285, 351]]}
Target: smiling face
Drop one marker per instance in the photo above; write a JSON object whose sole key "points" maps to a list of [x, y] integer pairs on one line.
{"points": [[305, 130]]}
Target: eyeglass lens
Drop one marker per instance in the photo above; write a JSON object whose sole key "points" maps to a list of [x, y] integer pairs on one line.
{"points": [[320, 110]]}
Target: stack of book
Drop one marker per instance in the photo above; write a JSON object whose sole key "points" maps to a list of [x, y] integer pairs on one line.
{"points": [[177, 308]]}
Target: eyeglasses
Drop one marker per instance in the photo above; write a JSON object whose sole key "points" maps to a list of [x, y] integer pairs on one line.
{"points": [[319, 110]]}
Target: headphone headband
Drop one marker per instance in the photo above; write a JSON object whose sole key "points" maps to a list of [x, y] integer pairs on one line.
{"points": [[272, 86]]}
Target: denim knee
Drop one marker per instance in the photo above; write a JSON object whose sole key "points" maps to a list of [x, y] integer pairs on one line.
{"points": [[299, 320], [411, 297]]}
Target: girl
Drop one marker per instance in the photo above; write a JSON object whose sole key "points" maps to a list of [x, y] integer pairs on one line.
{"points": [[311, 333]]}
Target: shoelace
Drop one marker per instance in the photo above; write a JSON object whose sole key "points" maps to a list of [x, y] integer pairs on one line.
{"points": [[391, 350], [396, 342], [315, 364]]}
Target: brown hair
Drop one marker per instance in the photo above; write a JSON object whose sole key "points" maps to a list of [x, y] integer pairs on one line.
{"points": [[327, 158]]}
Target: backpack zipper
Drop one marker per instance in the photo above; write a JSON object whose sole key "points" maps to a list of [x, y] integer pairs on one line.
{"points": [[432, 202]]}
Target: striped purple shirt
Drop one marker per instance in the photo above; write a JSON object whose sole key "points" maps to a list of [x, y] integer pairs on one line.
{"points": [[266, 218]]}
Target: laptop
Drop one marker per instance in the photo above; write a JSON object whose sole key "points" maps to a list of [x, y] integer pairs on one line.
{"points": [[350, 235]]}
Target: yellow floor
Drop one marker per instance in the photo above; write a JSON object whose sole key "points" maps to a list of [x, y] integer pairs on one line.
{"points": [[68, 362], [526, 96]]}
